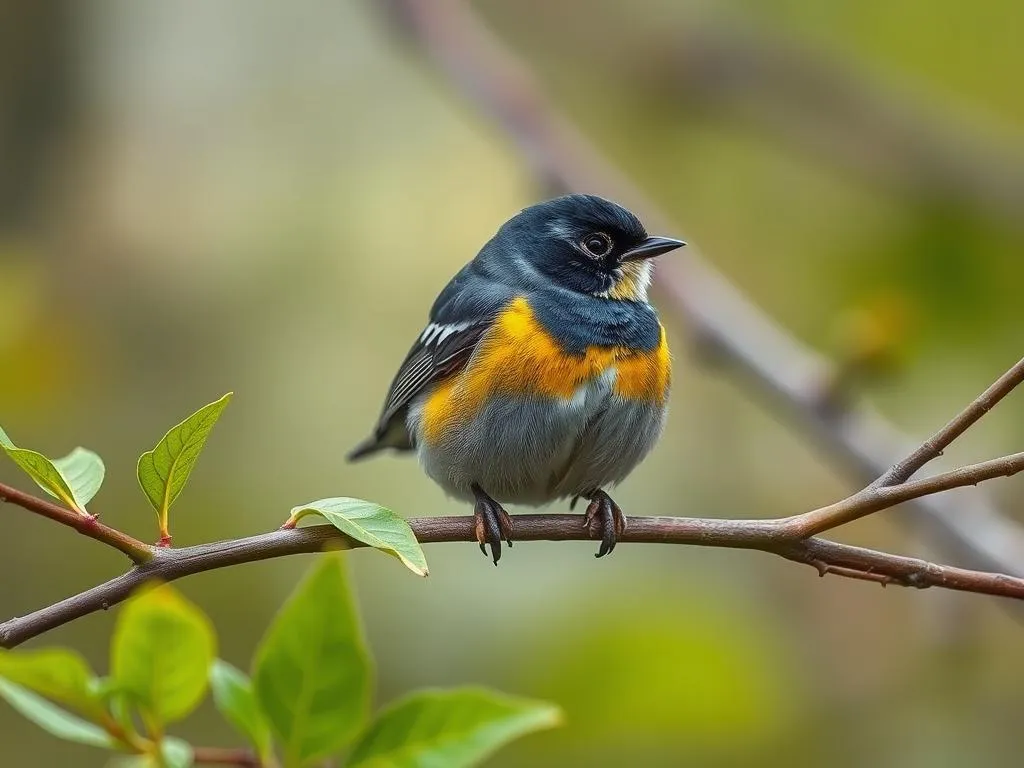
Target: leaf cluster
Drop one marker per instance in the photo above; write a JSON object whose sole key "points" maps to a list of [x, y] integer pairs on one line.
{"points": [[308, 693], [307, 696]]}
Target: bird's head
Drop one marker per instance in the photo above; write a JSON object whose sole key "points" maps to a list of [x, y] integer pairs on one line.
{"points": [[586, 244]]}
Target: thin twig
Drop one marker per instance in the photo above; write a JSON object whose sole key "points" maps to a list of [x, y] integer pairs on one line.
{"points": [[876, 498], [136, 550], [933, 447], [737, 332]]}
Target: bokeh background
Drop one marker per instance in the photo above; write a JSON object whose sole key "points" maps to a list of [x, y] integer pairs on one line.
{"points": [[264, 197]]}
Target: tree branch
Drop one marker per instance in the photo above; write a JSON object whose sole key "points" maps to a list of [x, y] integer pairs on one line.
{"points": [[817, 105], [787, 537], [737, 332], [137, 551], [933, 447], [878, 497], [779, 537]]}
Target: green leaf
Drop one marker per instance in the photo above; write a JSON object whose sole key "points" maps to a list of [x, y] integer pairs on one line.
{"points": [[84, 472], [450, 728], [57, 674], [175, 753], [53, 719], [234, 697], [312, 670], [161, 653], [164, 470], [74, 479], [118, 701], [371, 524]]}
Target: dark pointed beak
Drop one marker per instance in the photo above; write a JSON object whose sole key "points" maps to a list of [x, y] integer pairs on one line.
{"points": [[651, 247]]}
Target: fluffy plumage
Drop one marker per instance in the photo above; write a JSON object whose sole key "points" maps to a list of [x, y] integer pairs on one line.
{"points": [[543, 371]]}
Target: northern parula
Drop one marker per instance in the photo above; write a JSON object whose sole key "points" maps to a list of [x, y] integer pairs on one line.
{"points": [[543, 372]]}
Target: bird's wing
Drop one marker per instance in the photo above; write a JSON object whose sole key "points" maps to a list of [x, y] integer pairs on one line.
{"points": [[458, 320]]}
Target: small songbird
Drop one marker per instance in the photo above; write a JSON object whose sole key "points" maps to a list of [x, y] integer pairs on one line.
{"points": [[543, 372]]}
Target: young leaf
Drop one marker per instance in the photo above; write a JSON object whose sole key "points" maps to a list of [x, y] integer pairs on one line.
{"points": [[53, 719], [312, 670], [164, 470], [57, 674], [74, 479], [120, 703], [450, 728], [371, 524], [161, 653], [83, 471], [176, 753], [234, 697]]}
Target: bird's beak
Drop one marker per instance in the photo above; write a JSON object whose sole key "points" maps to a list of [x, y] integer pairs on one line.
{"points": [[651, 247]]}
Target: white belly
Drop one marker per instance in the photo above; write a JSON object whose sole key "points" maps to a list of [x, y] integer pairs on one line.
{"points": [[532, 450]]}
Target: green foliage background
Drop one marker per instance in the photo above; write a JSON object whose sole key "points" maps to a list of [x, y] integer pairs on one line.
{"points": [[265, 198]]}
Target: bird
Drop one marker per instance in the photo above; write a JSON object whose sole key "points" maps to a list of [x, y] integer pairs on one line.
{"points": [[543, 372]]}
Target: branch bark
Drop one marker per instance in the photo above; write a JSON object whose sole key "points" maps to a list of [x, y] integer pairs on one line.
{"points": [[772, 536], [790, 538]]}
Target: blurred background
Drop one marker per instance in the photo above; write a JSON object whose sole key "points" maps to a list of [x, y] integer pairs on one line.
{"points": [[263, 197]]}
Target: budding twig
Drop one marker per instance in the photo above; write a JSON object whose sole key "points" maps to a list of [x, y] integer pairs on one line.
{"points": [[137, 551]]}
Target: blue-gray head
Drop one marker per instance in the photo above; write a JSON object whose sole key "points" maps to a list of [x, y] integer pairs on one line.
{"points": [[586, 244]]}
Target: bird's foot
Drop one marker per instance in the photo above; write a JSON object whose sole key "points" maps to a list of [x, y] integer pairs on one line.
{"points": [[604, 520], [492, 523]]}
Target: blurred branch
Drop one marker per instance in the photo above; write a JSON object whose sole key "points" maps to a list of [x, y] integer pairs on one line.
{"points": [[137, 551], [723, 321], [38, 104], [814, 104]]}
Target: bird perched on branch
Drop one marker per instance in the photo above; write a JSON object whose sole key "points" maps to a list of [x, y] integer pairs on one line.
{"points": [[543, 372]]}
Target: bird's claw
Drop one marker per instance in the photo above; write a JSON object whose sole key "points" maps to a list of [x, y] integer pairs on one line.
{"points": [[604, 515], [492, 524]]}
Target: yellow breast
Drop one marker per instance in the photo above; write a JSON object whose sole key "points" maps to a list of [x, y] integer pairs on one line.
{"points": [[519, 357]]}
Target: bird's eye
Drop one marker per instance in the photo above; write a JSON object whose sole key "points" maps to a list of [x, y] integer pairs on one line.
{"points": [[597, 244]]}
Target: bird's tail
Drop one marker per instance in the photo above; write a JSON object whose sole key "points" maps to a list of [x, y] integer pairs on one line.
{"points": [[368, 447]]}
